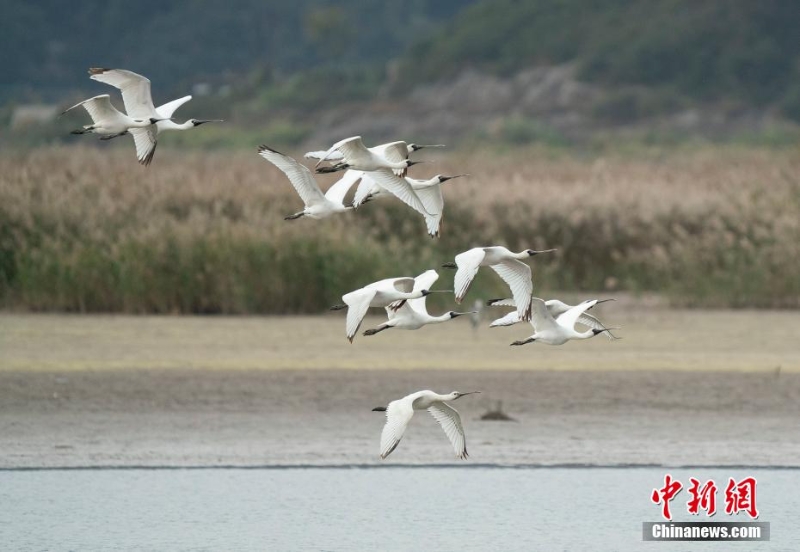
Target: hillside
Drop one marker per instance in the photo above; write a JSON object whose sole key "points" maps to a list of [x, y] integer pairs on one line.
{"points": [[47, 45], [555, 71], [735, 50]]}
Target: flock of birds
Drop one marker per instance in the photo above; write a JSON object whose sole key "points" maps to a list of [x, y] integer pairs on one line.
{"points": [[379, 171]]}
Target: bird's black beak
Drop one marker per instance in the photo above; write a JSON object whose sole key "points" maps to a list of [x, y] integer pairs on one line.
{"points": [[449, 265], [604, 301], [198, 122], [379, 409], [417, 147], [429, 291], [446, 178], [533, 252], [465, 394], [595, 331], [410, 163], [454, 314], [338, 307]]}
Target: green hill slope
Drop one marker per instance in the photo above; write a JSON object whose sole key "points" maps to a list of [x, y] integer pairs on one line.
{"points": [[707, 49]]}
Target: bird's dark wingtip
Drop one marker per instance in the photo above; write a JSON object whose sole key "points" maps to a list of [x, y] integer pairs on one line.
{"points": [[263, 147]]}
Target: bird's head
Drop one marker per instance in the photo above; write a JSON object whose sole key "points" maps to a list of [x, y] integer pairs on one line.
{"points": [[458, 394], [198, 122]]}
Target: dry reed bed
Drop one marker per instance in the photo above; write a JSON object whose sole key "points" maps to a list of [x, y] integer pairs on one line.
{"points": [[89, 230]]}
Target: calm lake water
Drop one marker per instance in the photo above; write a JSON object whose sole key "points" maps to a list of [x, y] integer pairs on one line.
{"points": [[385, 508]]}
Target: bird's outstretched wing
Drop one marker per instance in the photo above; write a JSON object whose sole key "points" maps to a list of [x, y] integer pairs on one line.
{"points": [[592, 322], [421, 282], [400, 188], [146, 141], [298, 174], [366, 187], [357, 306], [541, 319], [448, 418], [333, 156], [396, 152], [351, 149], [340, 188], [518, 277], [432, 199], [99, 108], [569, 318], [508, 320], [398, 414], [134, 87], [501, 303], [468, 264], [168, 109]]}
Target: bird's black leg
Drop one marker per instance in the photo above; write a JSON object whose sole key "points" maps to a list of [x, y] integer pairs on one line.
{"points": [[379, 329]]}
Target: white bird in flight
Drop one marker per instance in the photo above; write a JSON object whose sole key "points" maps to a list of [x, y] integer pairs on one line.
{"points": [[391, 291], [508, 266], [413, 314], [317, 205], [139, 103], [555, 307], [379, 150], [557, 331], [108, 120], [355, 155], [399, 413], [429, 192]]}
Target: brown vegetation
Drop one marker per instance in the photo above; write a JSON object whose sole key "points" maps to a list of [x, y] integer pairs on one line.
{"points": [[89, 230]]}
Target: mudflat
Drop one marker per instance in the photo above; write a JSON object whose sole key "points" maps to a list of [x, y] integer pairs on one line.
{"points": [[80, 391]]}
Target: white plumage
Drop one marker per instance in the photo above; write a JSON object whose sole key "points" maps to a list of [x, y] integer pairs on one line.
{"points": [[108, 120], [557, 331], [317, 204], [506, 264], [138, 99], [555, 308], [355, 155], [400, 412], [413, 314], [378, 294], [429, 192]]}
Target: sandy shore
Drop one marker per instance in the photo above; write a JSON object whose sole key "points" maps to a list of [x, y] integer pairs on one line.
{"points": [[682, 388]]}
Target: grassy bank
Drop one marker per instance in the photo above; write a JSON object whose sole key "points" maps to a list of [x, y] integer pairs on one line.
{"points": [[89, 230]]}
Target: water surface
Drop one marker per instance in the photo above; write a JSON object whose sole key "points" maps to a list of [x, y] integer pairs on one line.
{"points": [[384, 508]]}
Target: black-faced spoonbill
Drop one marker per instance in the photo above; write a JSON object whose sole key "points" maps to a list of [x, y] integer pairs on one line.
{"points": [[391, 291], [399, 413], [429, 192], [138, 101], [557, 331], [508, 266], [555, 307], [107, 120], [391, 151], [413, 314], [317, 204]]}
